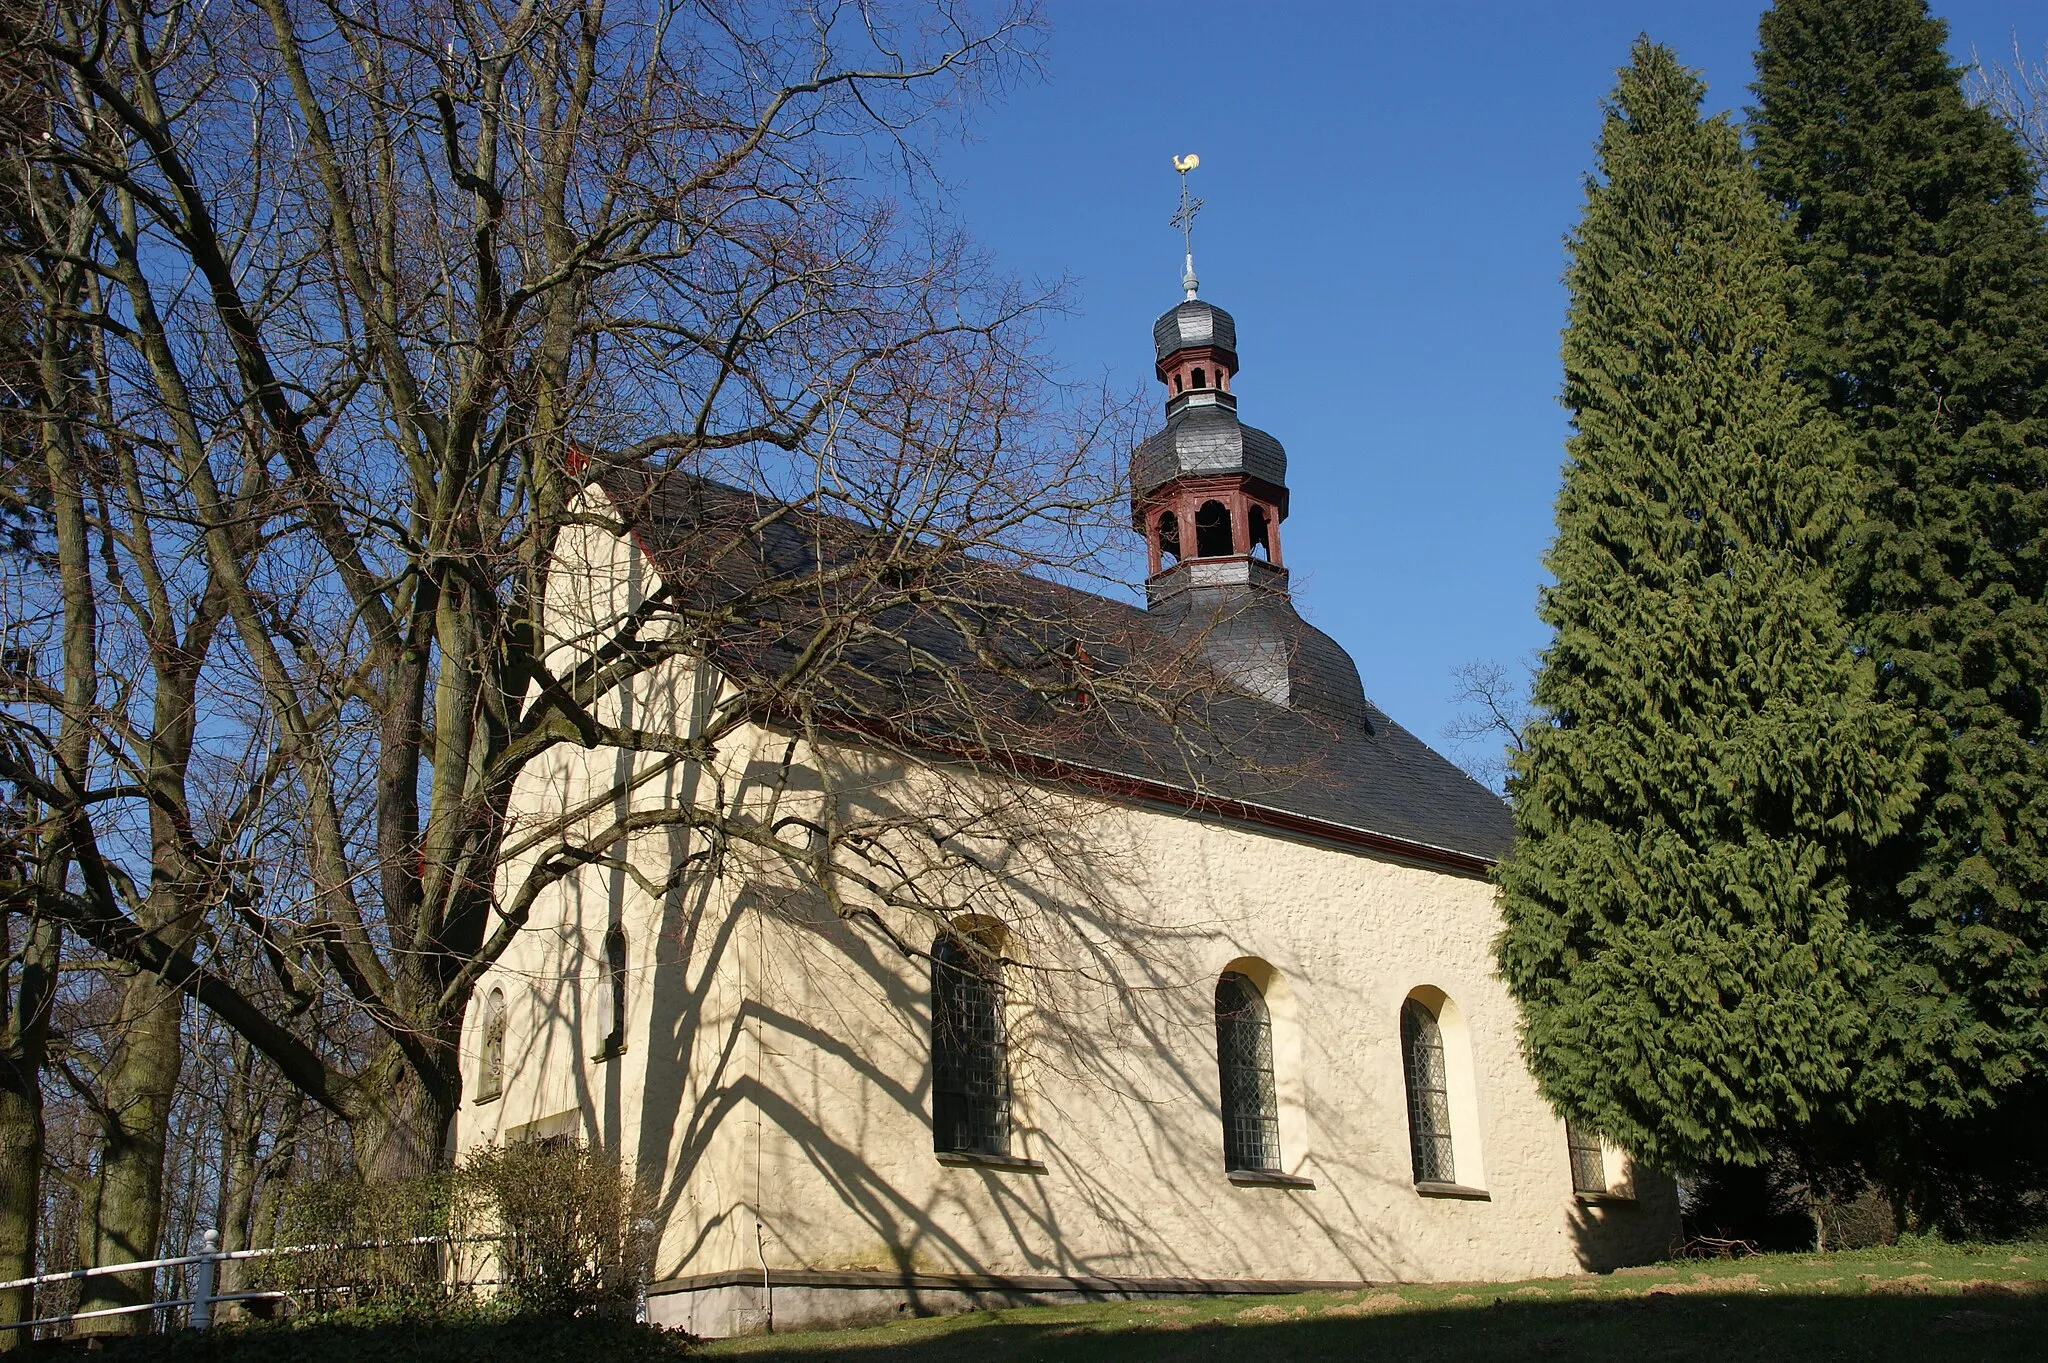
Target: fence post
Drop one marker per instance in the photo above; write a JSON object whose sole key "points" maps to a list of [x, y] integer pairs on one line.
{"points": [[202, 1286]]}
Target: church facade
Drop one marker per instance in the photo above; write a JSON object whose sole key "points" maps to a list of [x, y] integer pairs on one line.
{"points": [[1275, 1056]]}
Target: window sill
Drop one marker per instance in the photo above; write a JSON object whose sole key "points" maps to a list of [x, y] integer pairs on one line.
{"points": [[608, 1053], [1456, 1191], [1590, 1199], [486, 1099], [1268, 1178], [974, 1159]]}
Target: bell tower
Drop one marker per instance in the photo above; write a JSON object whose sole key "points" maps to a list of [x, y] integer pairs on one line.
{"points": [[1208, 493]]}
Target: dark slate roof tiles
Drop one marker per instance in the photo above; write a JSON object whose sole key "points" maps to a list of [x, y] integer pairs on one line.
{"points": [[1322, 762]]}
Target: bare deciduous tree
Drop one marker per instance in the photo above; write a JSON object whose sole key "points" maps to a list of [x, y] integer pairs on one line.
{"points": [[1494, 712], [2018, 94], [368, 294]]}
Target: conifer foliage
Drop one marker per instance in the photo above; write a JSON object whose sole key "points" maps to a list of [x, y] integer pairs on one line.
{"points": [[1927, 331], [1709, 758]]}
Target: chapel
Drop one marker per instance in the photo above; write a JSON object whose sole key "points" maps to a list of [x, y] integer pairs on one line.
{"points": [[1274, 1055]]}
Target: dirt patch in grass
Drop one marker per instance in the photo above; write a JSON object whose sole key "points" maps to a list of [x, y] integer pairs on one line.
{"points": [[1912, 1284], [1270, 1313], [1705, 1283], [1998, 1287], [1378, 1301]]}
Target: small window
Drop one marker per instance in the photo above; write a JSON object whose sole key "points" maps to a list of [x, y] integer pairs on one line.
{"points": [[614, 996], [490, 1080], [1429, 1099], [1201, 378], [1259, 534], [1244, 1063], [1169, 537], [1212, 531], [1589, 1157], [1176, 381], [970, 1049]]}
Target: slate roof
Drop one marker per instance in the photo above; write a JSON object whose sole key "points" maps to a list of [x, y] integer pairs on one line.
{"points": [[1194, 323], [1201, 440], [1335, 765]]}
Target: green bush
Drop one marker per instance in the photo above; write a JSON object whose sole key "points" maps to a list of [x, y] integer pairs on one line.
{"points": [[542, 1226], [355, 1244], [564, 1215]]}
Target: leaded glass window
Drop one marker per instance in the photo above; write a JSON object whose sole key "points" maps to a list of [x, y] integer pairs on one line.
{"points": [[490, 1080], [1244, 1062], [970, 1051], [1589, 1158], [1429, 1098]]}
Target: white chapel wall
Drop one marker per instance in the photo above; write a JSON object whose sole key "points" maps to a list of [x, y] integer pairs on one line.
{"points": [[775, 1074]]}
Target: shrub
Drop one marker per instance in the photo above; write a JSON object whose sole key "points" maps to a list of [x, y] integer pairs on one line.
{"points": [[564, 1213], [355, 1244]]}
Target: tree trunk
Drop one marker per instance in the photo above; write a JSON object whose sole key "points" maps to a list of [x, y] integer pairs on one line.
{"points": [[406, 1133], [128, 1196], [21, 1121]]}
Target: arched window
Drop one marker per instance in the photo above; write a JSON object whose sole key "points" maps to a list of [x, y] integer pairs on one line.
{"points": [[1244, 1064], [1201, 378], [1588, 1156], [1176, 382], [490, 1079], [613, 999], [1212, 530], [1259, 537], [1429, 1096], [1169, 537], [970, 1050]]}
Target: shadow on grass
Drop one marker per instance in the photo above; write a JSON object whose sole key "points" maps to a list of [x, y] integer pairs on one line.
{"points": [[387, 1339], [1859, 1327]]}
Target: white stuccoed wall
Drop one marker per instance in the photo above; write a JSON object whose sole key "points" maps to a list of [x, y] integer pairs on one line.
{"points": [[776, 1071]]}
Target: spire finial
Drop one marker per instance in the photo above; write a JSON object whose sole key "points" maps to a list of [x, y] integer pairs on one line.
{"points": [[1185, 218]]}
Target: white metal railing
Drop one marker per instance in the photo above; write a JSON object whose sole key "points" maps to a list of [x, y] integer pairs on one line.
{"points": [[201, 1302]]}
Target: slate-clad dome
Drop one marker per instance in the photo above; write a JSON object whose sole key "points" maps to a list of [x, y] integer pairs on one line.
{"points": [[1257, 643], [1195, 323], [1203, 440]]}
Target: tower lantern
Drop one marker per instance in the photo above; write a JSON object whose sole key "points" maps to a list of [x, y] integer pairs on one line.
{"points": [[1208, 493]]}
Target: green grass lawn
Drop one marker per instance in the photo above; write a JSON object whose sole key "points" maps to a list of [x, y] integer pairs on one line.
{"points": [[1919, 1302]]}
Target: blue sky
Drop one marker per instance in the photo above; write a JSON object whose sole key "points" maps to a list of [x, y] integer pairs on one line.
{"points": [[1387, 185]]}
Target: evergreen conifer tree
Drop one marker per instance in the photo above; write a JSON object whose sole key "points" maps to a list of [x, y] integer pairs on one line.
{"points": [[1709, 758], [1926, 329]]}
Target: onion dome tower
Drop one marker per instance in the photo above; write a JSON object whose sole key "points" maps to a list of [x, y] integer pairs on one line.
{"points": [[1208, 493]]}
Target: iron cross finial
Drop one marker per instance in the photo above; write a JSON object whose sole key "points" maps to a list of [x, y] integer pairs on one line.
{"points": [[1185, 218]]}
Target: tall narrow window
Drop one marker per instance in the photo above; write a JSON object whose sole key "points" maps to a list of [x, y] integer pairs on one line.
{"points": [[970, 1051], [490, 1079], [1244, 1063], [1589, 1158], [1429, 1099], [614, 996]]}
